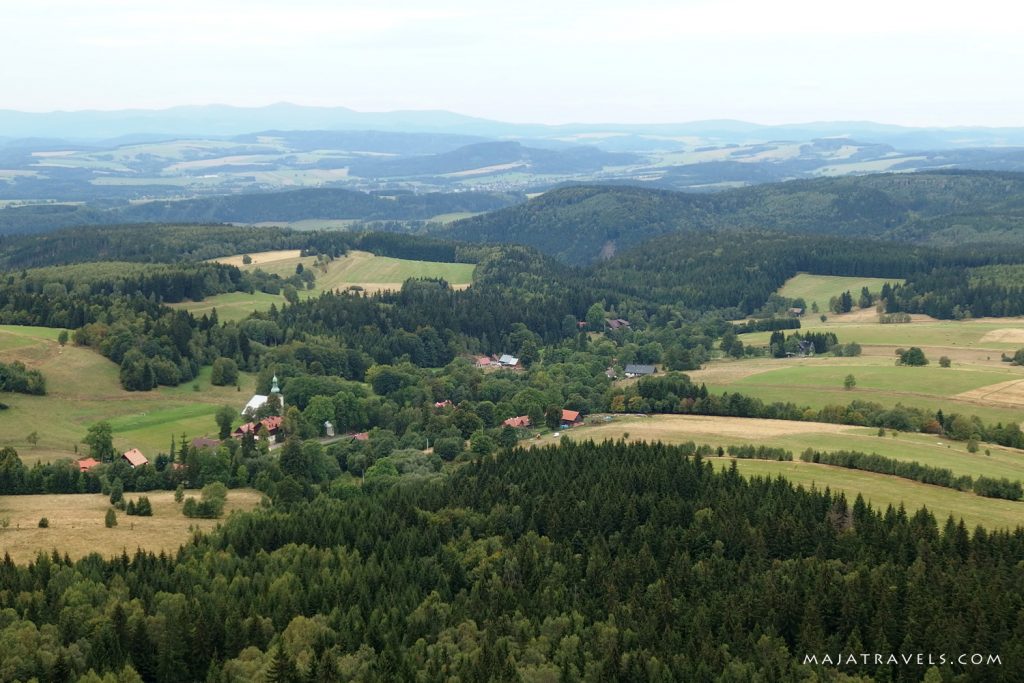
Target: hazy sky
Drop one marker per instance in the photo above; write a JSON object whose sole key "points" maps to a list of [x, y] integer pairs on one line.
{"points": [[915, 62]]}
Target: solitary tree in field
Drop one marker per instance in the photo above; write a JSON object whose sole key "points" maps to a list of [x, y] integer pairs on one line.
{"points": [[945, 362], [912, 356], [850, 382], [62, 338], [246, 259], [111, 519], [225, 416], [100, 440]]}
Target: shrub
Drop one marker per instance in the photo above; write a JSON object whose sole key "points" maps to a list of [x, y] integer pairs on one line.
{"points": [[110, 521], [44, 523]]}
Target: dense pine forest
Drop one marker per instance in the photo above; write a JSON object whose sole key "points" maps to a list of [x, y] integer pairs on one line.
{"points": [[587, 561]]}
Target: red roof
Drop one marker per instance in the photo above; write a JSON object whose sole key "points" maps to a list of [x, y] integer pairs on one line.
{"points": [[86, 464], [135, 458], [521, 421], [272, 423], [361, 436], [570, 415], [442, 404]]}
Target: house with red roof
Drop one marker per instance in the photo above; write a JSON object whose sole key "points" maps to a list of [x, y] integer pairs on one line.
{"points": [[86, 464], [521, 422], [273, 425], [442, 404], [135, 458], [361, 436], [571, 418]]}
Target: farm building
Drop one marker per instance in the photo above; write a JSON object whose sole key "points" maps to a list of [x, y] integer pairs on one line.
{"points": [[135, 458], [796, 311], [273, 425], [442, 404], [520, 422], [361, 436], [571, 418], [617, 324], [507, 361], [483, 361], [633, 370], [86, 464], [804, 348]]}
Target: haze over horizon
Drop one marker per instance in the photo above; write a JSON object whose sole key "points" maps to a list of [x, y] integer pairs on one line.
{"points": [[925, 64]]}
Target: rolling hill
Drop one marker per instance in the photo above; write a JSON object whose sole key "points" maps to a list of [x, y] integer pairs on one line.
{"points": [[581, 224], [293, 205], [485, 157]]}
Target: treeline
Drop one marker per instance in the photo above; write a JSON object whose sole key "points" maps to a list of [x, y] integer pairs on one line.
{"points": [[953, 293], [670, 563], [750, 452], [926, 474], [16, 377], [767, 325], [163, 243]]}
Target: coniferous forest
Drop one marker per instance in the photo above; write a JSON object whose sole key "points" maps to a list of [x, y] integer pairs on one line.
{"points": [[578, 562]]}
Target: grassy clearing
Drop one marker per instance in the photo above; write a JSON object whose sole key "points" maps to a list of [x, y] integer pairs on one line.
{"points": [[881, 491], [821, 288], [232, 306], [83, 388], [926, 333], [77, 524], [358, 268], [979, 387], [798, 436]]}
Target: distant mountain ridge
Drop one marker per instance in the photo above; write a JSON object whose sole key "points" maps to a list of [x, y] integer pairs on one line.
{"points": [[226, 120]]}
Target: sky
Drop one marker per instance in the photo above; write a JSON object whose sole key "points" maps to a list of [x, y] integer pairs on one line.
{"points": [[910, 62]]}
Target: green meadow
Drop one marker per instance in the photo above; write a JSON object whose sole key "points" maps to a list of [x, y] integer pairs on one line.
{"points": [[821, 288], [83, 388], [357, 269]]}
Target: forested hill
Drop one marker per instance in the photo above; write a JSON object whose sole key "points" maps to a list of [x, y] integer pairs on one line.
{"points": [[479, 156], [293, 205], [581, 224]]}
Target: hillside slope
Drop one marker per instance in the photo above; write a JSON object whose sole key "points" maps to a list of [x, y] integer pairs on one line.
{"points": [[584, 223]]}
